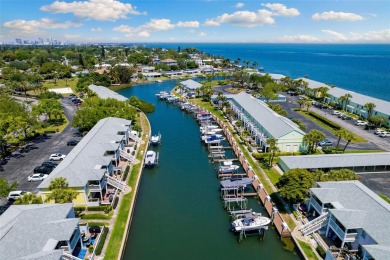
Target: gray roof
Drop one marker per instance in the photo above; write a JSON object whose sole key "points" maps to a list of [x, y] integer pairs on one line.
{"points": [[33, 231], [82, 163], [273, 76], [104, 92], [191, 84], [381, 105], [276, 125], [336, 160], [359, 207]]}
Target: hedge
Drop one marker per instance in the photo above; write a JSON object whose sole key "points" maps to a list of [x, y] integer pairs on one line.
{"points": [[103, 236], [325, 120], [94, 208], [92, 224], [95, 216], [321, 251], [115, 202], [126, 173]]}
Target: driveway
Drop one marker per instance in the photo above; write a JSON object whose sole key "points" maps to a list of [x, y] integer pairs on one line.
{"points": [[18, 169], [374, 142]]}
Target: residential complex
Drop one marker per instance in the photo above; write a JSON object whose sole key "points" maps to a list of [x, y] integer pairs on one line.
{"points": [[190, 86], [41, 231], [92, 166], [358, 162], [351, 218], [355, 104], [264, 123]]}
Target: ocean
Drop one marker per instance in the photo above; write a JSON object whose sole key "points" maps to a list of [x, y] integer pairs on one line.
{"points": [[362, 68]]}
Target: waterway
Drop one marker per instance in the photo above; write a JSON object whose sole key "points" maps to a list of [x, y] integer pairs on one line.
{"points": [[179, 213]]}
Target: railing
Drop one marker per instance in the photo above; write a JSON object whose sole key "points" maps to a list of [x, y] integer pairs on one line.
{"points": [[350, 237], [94, 187], [93, 202], [340, 233], [134, 137], [127, 156], [314, 225], [316, 205], [116, 183], [67, 256]]}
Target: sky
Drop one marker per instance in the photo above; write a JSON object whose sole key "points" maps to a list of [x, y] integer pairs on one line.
{"points": [[292, 21]]}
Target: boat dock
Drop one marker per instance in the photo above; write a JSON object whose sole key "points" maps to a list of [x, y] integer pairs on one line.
{"points": [[224, 175]]}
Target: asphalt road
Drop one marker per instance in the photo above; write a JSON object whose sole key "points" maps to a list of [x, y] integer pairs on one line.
{"points": [[18, 169], [377, 182]]}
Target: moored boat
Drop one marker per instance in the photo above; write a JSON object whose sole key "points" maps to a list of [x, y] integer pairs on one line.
{"points": [[251, 221], [151, 159]]}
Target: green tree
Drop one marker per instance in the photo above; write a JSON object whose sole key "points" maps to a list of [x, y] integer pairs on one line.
{"points": [[340, 134], [301, 103], [294, 185], [313, 138], [144, 106], [28, 198], [6, 188], [273, 150], [349, 137], [377, 120], [268, 92], [335, 175], [370, 108], [60, 192]]}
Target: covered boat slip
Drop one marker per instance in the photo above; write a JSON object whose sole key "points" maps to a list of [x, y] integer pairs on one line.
{"points": [[360, 163]]}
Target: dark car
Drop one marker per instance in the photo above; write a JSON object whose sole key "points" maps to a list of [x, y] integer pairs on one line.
{"points": [[76, 100], [346, 117], [43, 169], [370, 127], [50, 164], [72, 143]]}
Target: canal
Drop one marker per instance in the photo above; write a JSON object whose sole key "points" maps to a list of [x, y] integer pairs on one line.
{"points": [[179, 213]]}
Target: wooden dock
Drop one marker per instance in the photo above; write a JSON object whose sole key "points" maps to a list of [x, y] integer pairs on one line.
{"points": [[226, 160], [221, 175]]}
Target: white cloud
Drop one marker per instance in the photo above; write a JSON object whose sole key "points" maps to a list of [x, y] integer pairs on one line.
{"points": [[145, 30], [282, 10], [36, 26], [98, 29], [380, 36], [202, 34], [299, 38], [336, 16], [239, 5], [338, 36], [194, 24], [100, 10], [243, 18]]}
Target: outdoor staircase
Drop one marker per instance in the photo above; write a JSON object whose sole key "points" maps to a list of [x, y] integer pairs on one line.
{"points": [[135, 138], [127, 156], [116, 183], [67, 256], [314, 225]]}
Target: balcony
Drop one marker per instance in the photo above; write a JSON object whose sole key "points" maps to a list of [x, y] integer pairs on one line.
{"points": [[351, 237], [93, 202], [339, 232], [316, 206]]}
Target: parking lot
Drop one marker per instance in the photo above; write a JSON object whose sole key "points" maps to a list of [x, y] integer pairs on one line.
{"points": [[374, 141], [18, 169]]}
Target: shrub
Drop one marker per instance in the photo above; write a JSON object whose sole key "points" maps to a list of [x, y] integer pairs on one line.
{"points": [[98, 224], [115, 202], [325, 120], [321, 251], [107, 209], [124, 177], [93, 208], [288, 244], [49, 95], [95, 216], [103, 236], [90, 249]]}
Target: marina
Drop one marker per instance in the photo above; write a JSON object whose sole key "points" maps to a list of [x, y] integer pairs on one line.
{"points": [[162, 211]]}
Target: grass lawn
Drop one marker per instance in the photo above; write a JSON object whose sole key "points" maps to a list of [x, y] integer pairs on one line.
{"points": [[234, 90], [307, 250], [387, 199], [273, 175], [118, 232], [53, 129], [363, 151], [61, 83], [358, 139]]}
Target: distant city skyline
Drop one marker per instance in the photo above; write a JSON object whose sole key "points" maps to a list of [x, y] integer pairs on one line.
{"points": [[94, 21]]}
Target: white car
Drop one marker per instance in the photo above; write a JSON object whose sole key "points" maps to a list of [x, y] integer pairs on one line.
{"points": [[57, 157], [14, 195], [37, 177], [379, 131], [335, 112], [384, 134], [360, 122]]}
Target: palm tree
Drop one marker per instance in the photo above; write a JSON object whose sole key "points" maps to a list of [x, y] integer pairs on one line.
{"points": [[313, 138], [344, 100], [273, 149], [301, 103], [255, 64], [370, 108], [59, 191], [340, 134], [348, 136], [28, 198], [308, 104]]}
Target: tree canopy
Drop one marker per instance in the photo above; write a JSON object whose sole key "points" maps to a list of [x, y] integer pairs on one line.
{"points": [[6, 188], [294, 184], [60, 193], [144, 106]]}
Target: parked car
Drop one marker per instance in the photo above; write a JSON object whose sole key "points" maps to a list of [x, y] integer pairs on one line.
{"points": [[378, 131], [360, 122], [37, 177], [14, 195], [45, 169], [292, 93], [302, 97], [340, 115], [325, 142], [369, 127], [346, 117], [384, 134], [49, 163], [335, 112], [72, 143], [57, 157], [71, 96]]}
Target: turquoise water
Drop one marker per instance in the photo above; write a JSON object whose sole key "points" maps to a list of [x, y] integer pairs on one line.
{"points": [[363, 68], [179, 214]]}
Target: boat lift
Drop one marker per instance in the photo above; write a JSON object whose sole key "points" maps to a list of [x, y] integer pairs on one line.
{"points": [[159, 142], [240, 201]]}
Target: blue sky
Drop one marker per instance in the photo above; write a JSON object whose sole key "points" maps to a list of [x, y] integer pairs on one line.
{"points": [[294, 21]]}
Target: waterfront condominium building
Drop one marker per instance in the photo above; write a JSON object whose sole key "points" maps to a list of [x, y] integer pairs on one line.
{"points": [[40, 231], [352, 219], [264, 123], [355, 104], [94, 164]]}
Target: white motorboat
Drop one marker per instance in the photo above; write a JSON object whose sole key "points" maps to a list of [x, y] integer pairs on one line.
{"points": [[203, 116], [162, 94], [155, 139], [210, 135], [228, 167], [251, 221], [214, 139], [206, 130], [151, 159]]}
